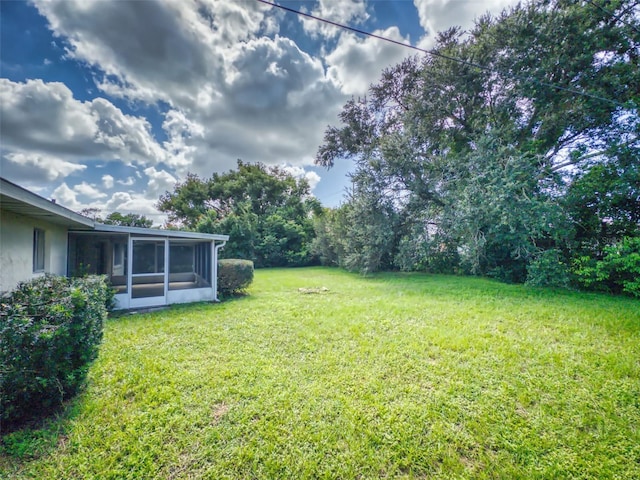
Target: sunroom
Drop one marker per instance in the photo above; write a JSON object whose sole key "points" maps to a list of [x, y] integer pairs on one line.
{"points": [[148, 267]]}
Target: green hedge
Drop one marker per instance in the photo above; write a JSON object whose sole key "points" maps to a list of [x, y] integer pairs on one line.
{"points": [[617, 272], [548, 270], [234, 275], [50, 331]]}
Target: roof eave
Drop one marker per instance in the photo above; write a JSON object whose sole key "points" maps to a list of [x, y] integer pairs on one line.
{"points": [[58, 213], [101, 227]]}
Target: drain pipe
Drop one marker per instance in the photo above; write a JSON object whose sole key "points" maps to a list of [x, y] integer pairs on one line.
{"points": [[216, 248]]}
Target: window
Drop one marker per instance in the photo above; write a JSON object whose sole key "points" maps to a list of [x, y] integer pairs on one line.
{"points": [[148, 256], [203, 261], [38, 250], [180, 258]]}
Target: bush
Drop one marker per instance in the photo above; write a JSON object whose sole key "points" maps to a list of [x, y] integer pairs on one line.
{"points": [[548, 270], [50, 331], [617, 272], [234, 275]]}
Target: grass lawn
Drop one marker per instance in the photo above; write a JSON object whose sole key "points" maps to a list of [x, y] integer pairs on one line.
{"points": [[393, 376]]}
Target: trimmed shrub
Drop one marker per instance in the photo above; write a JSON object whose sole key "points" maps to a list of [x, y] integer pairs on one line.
{"points": [[234, 275], [50, 331]]}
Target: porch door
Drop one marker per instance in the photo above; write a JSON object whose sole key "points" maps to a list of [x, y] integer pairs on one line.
{"points": [[149, 273]]}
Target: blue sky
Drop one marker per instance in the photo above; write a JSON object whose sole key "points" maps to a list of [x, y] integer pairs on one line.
{"points": [[108, 104]]}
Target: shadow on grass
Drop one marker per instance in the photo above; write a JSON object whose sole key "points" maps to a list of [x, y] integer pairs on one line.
{"points": [[447, 285], [37, 437], [232, 297], [143, 313], [613, 312]]}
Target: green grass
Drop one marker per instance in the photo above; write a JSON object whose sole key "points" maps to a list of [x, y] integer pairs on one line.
{"points": [[393, 376]]}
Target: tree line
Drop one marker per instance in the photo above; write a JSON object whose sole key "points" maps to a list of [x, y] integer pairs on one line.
{"points": [[512, 151]]}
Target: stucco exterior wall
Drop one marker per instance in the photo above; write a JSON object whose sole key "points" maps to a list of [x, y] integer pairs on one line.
{"points": [[16, 249]]}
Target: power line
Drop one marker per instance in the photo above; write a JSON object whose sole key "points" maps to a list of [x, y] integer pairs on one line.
{"points": [[612, 15], [438, 54]]}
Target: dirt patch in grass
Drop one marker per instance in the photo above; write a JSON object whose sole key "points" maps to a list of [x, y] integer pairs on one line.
{"points": [[316, 290], [219, 411]]}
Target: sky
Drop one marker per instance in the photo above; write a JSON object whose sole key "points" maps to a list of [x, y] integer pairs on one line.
{"points": [[107, 104]]}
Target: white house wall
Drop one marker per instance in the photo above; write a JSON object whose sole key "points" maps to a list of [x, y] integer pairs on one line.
{"points": [[190, 295], [16, 249]]}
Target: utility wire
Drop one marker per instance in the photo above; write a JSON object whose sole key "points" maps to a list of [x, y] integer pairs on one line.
{"points": [[612, 15], [438, 54]]}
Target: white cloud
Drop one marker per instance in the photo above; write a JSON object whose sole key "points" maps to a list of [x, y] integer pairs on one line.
{"points": [[271, 23], [439, 15], [155, 50], [159, 182], [125, 202], [275, 105], [67, 197], [107, 181], [89, 191], [313, 178], [180, 131], [351, 12], [299, 172], [37, 166], [128, 182], [356, 63], [43, 115], [118, 199], [43, 119], [232, 92], [125, 136]]}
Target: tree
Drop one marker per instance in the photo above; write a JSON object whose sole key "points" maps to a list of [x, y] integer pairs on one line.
{"points": [[188, 202], [92, 213], [604, 204], [266, 211], [117, 218], [128, 220], [475, 156]]}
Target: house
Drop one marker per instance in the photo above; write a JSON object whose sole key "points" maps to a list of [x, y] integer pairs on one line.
{"points": [[147, 266]]}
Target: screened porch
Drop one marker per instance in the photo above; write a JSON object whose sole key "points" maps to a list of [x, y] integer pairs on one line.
{"points": [[148, 269]]}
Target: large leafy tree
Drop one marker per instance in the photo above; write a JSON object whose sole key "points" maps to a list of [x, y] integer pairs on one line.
{"points": [[475, 145], [267, 212]]}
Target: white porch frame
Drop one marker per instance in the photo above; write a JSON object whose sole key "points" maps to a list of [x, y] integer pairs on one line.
{"points": [[147, 301], [125, 300]]}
